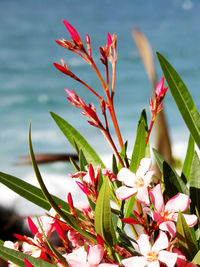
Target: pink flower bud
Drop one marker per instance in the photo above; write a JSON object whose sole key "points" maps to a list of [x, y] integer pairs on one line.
{"points": [[32, 226], [62, 69], [84, 188], [100, 240], [109, 39], [73, 33], [60, 231], [160, 91], [91, 173], [88, 45], [70, 202]]}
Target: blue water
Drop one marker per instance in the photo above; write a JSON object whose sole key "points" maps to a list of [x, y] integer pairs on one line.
{"points": [[30, 86]]}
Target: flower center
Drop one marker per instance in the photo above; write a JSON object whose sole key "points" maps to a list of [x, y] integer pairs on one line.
{"points": [[152, 256], [167, 215], [139, 182]]}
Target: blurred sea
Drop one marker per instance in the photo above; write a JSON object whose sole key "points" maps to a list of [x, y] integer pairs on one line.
{"points": [[30, 86]]}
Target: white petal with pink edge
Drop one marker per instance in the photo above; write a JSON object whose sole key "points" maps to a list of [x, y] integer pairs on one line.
{"points": [[157, 198], [168, 258], [125, 192], [168, 226], [161, 242], [144, 244], [145, 165], [135, 261], [178, 202], [191, 219], [95, 255], [143, 195], [126, 176]]}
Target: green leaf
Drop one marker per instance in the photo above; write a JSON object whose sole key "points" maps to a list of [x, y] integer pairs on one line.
{"points": [[182, 98], [74, 136], [173, 183], [185, 240], [103, 221], [114, 165], [30, 192], [195, 184], [140, 146], [159, 159], [185, 175], [122, 155], [196, 259], [71, 221], [82, 160], [17, 258]]}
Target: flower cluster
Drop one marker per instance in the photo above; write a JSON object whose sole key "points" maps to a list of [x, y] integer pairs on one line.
{"points": [[127, 200]]}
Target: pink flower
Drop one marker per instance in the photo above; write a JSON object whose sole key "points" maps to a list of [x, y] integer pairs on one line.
{"points": [[136, 183], [91, 258], [152, 256], [167, 214]]}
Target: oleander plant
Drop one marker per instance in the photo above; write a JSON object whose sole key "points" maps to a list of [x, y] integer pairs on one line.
{"points": [[133, 216]]}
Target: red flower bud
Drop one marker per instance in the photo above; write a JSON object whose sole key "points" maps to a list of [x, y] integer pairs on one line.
{"points": [[84, 188], [73, 33], [32, 226], [109, 39], [27, 263]]}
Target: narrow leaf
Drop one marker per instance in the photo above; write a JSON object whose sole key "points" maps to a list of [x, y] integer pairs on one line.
{"points": [[66, 217], [159, 159], [82, 160], [103, 220], [123, 155], [73, 135], [196, 259], [182, 98], [30, 192], [140, 146], [185, 175], [173, 183], [17, 258], [185, 240], [195, 184]]}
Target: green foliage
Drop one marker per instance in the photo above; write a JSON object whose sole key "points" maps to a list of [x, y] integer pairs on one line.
{"points": [[185, 240], [185, 175], [195, 184], [103, 219], [139, 146], [18, 258], [182, 98], [71, 221]]}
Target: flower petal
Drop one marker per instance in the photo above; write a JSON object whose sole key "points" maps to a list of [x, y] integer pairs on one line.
{"points": [[124, 192], [126, 176], [157, 198], [161, 242], [95, 255], [145, 165], [134, 261], [168, 258], [168, 226], [143, 195], [178, 202], [191, 219], [77, 258], [144, 244]]}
